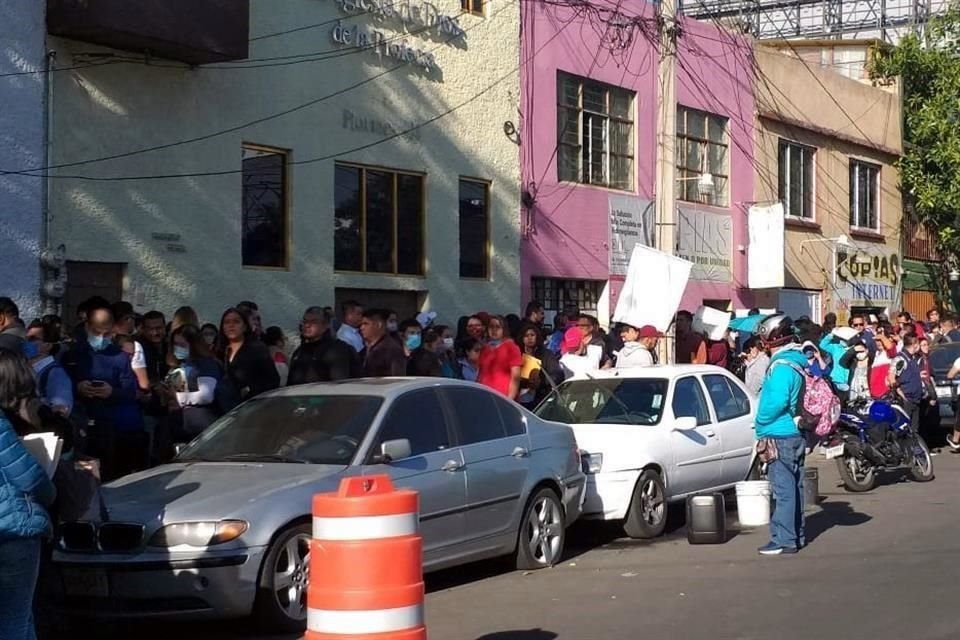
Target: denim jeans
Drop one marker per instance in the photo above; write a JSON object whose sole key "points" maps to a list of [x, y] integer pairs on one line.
{"points": [[19, 566], [786, 479]]}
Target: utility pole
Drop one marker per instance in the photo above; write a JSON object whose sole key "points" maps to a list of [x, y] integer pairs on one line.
{"points": [[665, 193]]}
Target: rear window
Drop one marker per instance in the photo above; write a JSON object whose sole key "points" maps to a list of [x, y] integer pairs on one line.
{"points": [[943, 357]]}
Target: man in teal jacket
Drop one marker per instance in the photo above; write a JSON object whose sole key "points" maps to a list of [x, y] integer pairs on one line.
{"points": [[776, 424]]}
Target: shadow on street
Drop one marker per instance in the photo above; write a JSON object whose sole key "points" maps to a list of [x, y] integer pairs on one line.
{"points": [[530, 634], [833, 514]]}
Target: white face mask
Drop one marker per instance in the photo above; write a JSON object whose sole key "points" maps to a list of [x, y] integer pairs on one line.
{"points": [[448, 343], [861, 355]]}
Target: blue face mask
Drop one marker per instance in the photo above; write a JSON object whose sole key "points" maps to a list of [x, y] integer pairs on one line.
{"points": [[30, 349], [181, 353], [98, 343], [494, 343], [413, 341]]}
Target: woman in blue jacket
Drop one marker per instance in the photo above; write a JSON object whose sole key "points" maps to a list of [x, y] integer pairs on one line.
{"points": [[25, 494]]}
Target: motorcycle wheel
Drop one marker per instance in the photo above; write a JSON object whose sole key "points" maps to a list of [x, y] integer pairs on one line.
{"points": [[922, 469], [857, 476]]}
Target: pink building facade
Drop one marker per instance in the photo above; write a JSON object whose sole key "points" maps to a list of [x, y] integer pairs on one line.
{"points": [[588, 152]]}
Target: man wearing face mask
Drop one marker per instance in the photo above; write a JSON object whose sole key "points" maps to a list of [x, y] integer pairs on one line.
{"points": [[107, 390], [424, 360], [410, 336], [905, 377], [321, 357], [858, 360]]}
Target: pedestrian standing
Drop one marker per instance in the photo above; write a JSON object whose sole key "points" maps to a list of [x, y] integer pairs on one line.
{"points": [[535, 314], [184, 316], [383, 356], [545, 371], [446, 351], [424, 361], [349, 332], [26, 495], [780, 443], [13, 333], [500, 360], [691, 347], [106, 386], [469, 350], [904, 376], [247, 363], [858, 360], [276, 342], [251, 310], [320, 356], [192, 383], [410, 336], [210, 334], [639, 346], [475, 328], [757, 364]]}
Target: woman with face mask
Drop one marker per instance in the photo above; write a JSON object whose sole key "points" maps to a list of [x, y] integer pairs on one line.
{"points": [[446, 351], [191, 383], [858, 360]]}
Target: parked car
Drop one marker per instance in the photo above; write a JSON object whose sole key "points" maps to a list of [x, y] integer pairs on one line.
{"points": [[942, 357], [224, 531], [654, 435]]}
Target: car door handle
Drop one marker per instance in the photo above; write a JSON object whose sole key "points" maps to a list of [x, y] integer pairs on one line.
{"points": [[711, 433], [452, 465], [520, 452]]}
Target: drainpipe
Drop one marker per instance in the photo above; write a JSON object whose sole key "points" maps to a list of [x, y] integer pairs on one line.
{"points": [[50, 304]]}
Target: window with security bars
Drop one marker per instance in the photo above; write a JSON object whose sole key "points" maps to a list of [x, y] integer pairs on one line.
{"points": [[264, 221], [595, 133], [557, 293], [702, 148], [796, 179], [864, 196], [378, 220]]}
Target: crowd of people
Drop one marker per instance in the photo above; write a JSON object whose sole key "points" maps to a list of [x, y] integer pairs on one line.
{"points": [[123, 388]]}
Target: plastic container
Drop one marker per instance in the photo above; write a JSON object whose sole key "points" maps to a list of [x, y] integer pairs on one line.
{"points": [[753, 503], [706, 519], [811, 487]]}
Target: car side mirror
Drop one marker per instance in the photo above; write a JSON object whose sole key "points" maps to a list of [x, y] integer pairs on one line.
{"points": [[394, 450], [686, 423]]}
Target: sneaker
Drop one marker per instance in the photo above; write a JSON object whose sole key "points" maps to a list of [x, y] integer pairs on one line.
{"points": [[771, 549], [787, 551], [953, 445]]}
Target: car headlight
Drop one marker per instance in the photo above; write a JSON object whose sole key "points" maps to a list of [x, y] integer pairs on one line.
{"points": [[591, 462], [198, 534]]}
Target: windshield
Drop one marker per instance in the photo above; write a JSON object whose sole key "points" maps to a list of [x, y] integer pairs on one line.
{"points": [[298, 429], [609, 400], [943, 357]]}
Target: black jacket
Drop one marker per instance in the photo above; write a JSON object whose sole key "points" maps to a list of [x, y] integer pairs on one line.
{"points": [[424, 362], [323, 360], [251, 372]]}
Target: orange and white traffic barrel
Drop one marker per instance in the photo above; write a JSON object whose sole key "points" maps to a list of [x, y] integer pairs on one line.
{"points": [[366, 563]]}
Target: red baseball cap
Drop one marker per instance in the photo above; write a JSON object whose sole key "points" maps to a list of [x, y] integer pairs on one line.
{"points": [[649, 331]]}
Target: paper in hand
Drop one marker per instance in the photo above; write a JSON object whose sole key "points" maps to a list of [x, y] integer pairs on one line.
{"points": [[45, 448]]}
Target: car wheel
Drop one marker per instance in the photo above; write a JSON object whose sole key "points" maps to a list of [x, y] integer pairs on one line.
{"points": [[647, 516], [282, 593], [542, 532]]}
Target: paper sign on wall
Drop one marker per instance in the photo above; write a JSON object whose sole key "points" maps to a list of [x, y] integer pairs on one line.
{"points": [[765, 263], [652, 291], [705, 238], [630, 223]]}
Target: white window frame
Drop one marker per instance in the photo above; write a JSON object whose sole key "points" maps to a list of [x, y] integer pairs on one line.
{"points": [[586, 142], [855, 166], [687, 176], [808, 155]]}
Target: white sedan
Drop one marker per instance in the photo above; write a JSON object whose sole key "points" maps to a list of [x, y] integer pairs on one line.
{"points": [[653, 435]]}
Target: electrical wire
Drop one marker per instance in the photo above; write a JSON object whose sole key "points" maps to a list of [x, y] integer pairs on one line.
{"points": [[32, 171]]}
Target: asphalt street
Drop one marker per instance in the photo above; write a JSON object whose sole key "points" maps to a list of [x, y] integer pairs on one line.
{"points": [[878, 565]]}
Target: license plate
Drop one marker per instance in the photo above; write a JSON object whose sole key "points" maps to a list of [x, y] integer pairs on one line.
{"points": [[833, 452], [86, 583], [944, 392]]}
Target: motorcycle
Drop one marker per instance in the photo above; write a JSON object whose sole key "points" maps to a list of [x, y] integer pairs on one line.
{"points": [[873, 437]]}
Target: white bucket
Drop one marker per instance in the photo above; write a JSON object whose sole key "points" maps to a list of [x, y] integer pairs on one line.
{"points": [[753, 503]]}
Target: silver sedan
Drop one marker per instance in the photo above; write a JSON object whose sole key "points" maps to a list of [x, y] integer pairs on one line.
{"points": [[224, 531]]}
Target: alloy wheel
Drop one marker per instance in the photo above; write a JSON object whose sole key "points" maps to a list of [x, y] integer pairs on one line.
{"points": [[291, 575], [651, 503], [545, 531]]}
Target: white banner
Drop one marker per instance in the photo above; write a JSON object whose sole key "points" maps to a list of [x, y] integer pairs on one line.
{"points": [[630, 224], [653, 289], [704, 239], [765, 258]]}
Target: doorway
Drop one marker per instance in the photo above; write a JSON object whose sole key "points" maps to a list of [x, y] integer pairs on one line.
{"points": [[407, 304], [88, 279]]}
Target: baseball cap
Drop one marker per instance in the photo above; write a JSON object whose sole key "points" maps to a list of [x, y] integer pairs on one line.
{"points": [[649, 331]]}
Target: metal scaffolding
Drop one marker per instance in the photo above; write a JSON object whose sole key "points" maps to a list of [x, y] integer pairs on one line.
{"points": [[887, 20]]}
